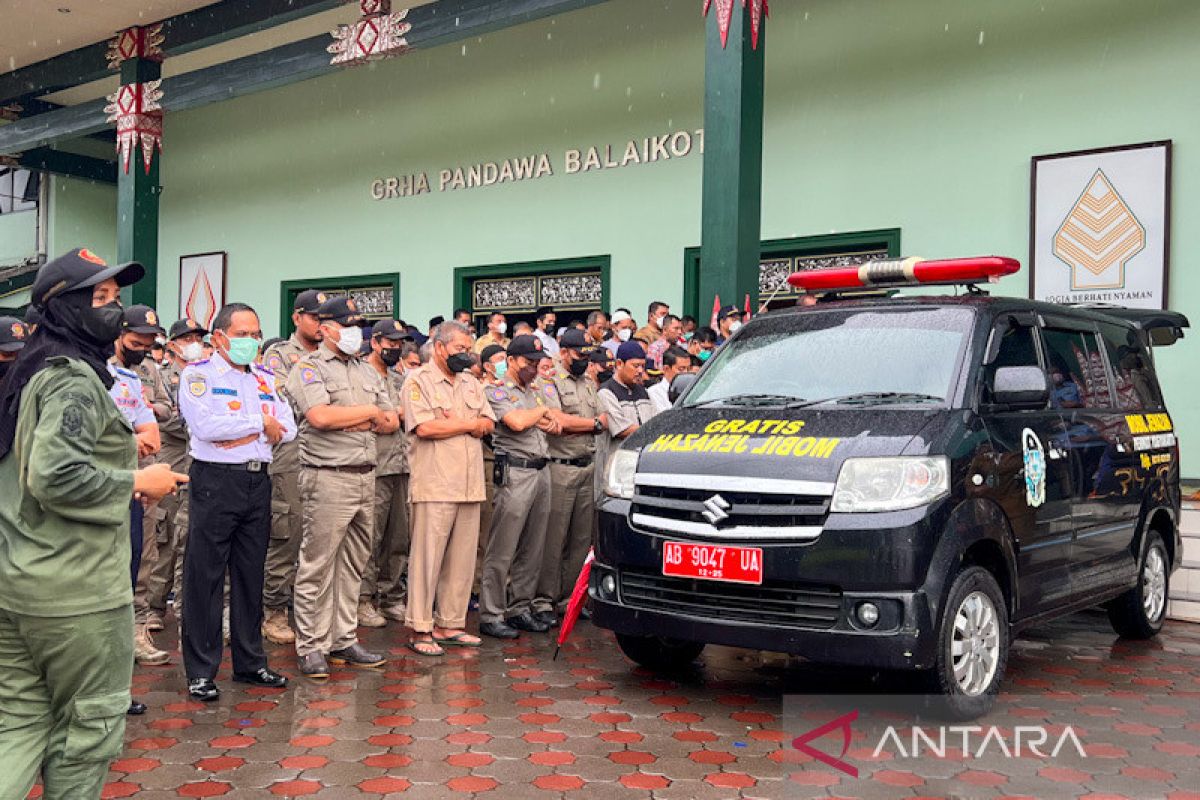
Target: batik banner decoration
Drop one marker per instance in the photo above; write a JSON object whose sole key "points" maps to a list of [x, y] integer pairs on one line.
{"points": [[136, 42], [136, 109], [758, 12], [379, 33]]}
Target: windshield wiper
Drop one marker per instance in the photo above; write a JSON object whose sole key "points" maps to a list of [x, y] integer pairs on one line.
{"points": [[881, 397], [752, 400]]}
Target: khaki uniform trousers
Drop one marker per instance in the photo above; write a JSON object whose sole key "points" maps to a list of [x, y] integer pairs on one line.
{"points": [[64, 691], [287, 531], [339, 521], [166, 570], [154, 523], [513, 557], [441, 565], [569, 534], [384, 577]]}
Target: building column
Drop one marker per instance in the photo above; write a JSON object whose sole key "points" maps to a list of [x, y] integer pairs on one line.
{"points": [[733, 130]]}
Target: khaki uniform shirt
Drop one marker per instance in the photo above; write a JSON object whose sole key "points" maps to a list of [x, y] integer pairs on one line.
{"points": [[487, 339], [173, 430], [625, 406], [68, 481], [285, 457], [325, 378], [444, 470], [647, 334], [155, 390], [576, 396], [393, 447], [531, 442]]}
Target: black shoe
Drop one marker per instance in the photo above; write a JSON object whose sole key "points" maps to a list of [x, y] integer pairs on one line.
{"points": [[203, 689], [499, 630], [357, 656], [314, 666], [262, 677], [526, 622], [135, 709], [547, 618]]}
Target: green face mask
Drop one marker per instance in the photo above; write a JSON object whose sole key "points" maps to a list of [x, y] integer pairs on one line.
{"points": [[704, 355], [243, 351]]}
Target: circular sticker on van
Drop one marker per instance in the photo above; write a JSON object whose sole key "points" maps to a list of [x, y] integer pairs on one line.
{"points": [[1035, 468]]}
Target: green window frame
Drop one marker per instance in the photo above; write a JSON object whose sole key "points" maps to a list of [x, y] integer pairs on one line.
{"points": [[289, 289], [799, 247]]}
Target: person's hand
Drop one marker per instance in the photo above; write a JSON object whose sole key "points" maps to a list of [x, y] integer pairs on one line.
{"points": [[550, 424], [235, 443], [481, 427], [361, 427], [380, 420], [272, 429], [156, 482], [145, 447]]}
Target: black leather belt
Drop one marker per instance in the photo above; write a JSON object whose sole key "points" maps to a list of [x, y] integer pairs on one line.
{"points": [[521, 463], [582, 461], [249, 466], [356, 469]]}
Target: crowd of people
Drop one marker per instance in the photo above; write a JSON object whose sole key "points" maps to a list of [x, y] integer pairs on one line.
{"points": [[351, 475]]}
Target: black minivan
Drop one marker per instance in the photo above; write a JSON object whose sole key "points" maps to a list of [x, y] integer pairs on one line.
{"points": [[898, 482]]}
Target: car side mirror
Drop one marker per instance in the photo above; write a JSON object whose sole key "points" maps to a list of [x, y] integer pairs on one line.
{"points": [[1020, 387], [683, 381]]}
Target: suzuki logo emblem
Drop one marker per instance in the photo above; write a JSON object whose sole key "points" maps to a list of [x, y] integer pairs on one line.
{"points": [[716, 509]]}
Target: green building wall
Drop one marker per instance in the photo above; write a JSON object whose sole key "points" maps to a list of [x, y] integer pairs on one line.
{"points": [[920, 115]]}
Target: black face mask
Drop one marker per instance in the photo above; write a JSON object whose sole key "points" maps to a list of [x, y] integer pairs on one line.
{"points": [[605, 376], [459, 362], [390, 356], [133, 357], [4, 365], [578, 367], [103, 324], [527, 374]]}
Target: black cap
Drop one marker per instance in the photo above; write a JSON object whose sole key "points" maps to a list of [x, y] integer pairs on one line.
{"points": [[185, 326], [575, 339], [729, 311], [489, 351], [435, 321], [602, 355], [342, 310], [12, 334], [33, 315], [80, 269], [140, 319], [309, 301], [528, 346], [390, 329]]}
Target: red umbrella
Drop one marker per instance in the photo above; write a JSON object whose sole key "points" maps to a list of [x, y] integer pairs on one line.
{"points": [[578, 595]]}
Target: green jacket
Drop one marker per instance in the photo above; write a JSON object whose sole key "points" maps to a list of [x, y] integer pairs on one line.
{"points": [[67, 485]]}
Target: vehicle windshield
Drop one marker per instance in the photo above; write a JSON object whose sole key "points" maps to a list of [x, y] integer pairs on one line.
{"points": [[843, 357]]}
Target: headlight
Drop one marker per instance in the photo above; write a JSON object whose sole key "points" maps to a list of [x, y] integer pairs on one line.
{"points": [[618, 478], [890, 484]]}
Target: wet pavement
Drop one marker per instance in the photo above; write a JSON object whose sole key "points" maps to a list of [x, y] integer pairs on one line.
{"points": [[508, 721]]}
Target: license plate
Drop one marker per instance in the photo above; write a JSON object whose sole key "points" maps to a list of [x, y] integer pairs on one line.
{"points": [[713, 562]]}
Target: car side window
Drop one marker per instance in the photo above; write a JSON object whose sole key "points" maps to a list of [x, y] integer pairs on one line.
{"points": [[1136, 388], [1078, 378]]}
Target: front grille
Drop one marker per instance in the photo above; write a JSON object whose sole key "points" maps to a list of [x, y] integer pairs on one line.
{"points": [[773, 603], [747, 508]]}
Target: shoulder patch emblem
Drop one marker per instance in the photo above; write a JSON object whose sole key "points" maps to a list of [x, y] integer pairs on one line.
{"points": [[415, 393], [197, 385], [550, 390], [498, 394], [274, 361], [308, 374]]}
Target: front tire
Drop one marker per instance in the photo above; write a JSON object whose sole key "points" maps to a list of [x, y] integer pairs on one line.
{"points": [[1139, 613], [972, 649], [657, 654]]}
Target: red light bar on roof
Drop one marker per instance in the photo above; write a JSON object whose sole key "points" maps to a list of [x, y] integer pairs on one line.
{"points": [[906, 272]]}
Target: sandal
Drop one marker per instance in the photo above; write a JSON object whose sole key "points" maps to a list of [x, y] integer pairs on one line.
{"points": [[460, 639], [431, 648]]}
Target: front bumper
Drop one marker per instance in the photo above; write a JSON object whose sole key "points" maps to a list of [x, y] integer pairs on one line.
{"points": [[808, 600]]}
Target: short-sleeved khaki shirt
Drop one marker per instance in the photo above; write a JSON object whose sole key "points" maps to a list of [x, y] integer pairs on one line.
{"points": [[173, 431], [444, 470], [531, 442], [392, 448], [577, 397], [280, 359], [325, 378]]}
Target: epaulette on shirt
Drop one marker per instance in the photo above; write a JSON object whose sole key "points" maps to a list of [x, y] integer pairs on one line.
{"points": [[125, 372], [262, 368], [199, 363]]}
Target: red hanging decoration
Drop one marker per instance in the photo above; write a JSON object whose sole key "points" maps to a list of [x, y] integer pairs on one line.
{"points": [[379, 33], [759, 11], [136, 110], [136, 42]]}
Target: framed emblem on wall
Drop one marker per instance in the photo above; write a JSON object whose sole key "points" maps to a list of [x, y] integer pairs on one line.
{"points": [[1100, 226], [201, 286]]}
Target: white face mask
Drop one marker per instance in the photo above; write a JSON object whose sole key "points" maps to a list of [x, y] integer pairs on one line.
{"points": [[734, 327], [502, 328], [351, 341], [192, 352], [624, 334], [659, 320]]}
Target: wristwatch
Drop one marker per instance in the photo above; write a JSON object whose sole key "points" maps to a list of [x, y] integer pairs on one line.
{"points": [[597, 425]]}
